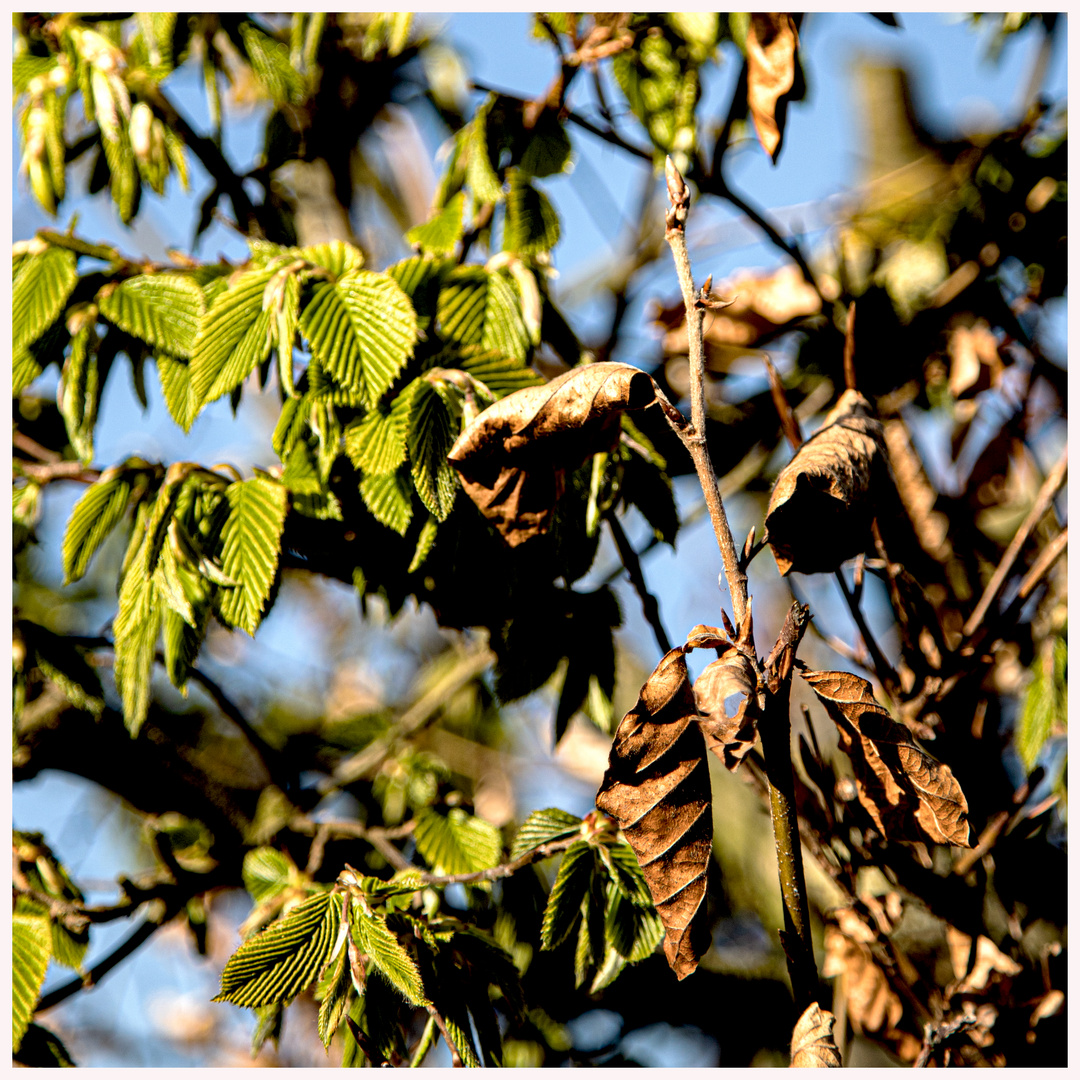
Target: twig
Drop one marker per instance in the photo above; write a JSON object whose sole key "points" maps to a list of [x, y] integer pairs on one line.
{"points": [[418, 715], [59, 470], [882, 668], [849, 349], [28, 446], [455, 1057], [424, 1045], [143, 932], [694, 440], [1045, 496], [379, 838], [788, 423], [493, 873], [649, 605]]}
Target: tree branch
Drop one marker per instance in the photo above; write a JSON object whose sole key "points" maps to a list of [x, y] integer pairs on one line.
{"points": [[694, 440], [493, 873], [649, 606]]}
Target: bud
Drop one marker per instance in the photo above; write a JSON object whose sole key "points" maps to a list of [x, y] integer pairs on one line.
{"points": [[104, 106], [142, 119]]}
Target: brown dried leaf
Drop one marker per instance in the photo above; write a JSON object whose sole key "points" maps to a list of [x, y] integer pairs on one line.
{"points": [[771, 42], [824, 499], [975, 362], [908, 794], [871, 1004], [760, 304], [812, 1042], [730, 738], [657, 788], [988, 959], [513, 457]]}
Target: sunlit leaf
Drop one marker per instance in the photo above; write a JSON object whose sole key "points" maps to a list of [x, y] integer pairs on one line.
{"points": [[456, 842], [161, 309], [39, 292], [31, 947]]}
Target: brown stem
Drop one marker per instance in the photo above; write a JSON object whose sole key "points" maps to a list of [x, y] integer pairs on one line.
{"points": [[493, 873], [882, 668], [649, 605], [849, 349], [1045, 496], [694, 439]]}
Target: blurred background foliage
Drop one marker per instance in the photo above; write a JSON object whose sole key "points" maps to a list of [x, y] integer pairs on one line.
{"points": [[456, 676]]}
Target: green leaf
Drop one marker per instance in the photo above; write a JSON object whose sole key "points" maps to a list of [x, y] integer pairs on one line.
{"points": [[279, 962], [376, 444], [93, 517], [79, 392], [626, 874], [251, 543], [548, 150], [266, 873], [431, 435], [500, 374], [388, 955], [478, 308], [135, 633], [457, 842], [335, 256], [441, 233], [542, 827], [481, 175], [187, 595], [233, 337], [424, 543], [175, 378], [1046, 703], [389, 498], [572, 885], [270, 61], [31, 947], [163, 310], [285, 315], [532, 225], [361, 329], [41, 1049], [66, 667], [332, 992], [39, 293]]}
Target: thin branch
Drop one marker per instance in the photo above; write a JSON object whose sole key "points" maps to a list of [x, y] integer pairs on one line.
{"points": [[59, 470], [493, 873], [849, 348], [649, 606], [418, 715], [694, 440], [28, 446], [883, 669], [379, 838], [1045, 497], [143, 932]]}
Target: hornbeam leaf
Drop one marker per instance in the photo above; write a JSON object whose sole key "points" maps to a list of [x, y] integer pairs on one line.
{"points": [[233, 339], [333, 996], [542, 827], [771, 44], [388, 955], [431, 435], [457, 842], [175, 378], [532, 225], [161, 309], [251, 544], [389, 498], [812, 1042], [31, 947], [732, 737], [376, 444], [270, 61], [513, 457], [39, 292], [266, 873], [500, 374], [279, 962], [824, 499], [908, 794], [361, 329], [93, 517], [79, 392], [572, 885], [442, 232], [135, 631], [657, 788]]}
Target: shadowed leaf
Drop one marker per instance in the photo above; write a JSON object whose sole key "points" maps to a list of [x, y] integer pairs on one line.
{"points": [[812, 1042], [908, 794], [513, 457], [824, 499], [729, 737]]}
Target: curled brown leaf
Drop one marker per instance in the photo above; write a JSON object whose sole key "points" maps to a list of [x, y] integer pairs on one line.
{"points": [[812, 1042], [771, 44], [729, 737], [974, 972], [657, 788], [872, 1006], [908, 794], [513, 457], [826, 497]]}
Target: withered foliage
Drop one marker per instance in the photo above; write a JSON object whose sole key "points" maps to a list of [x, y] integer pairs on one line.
{"points": [[812, 1042], [907, 793], [514, 456], [657, 780], [771, 44], [826, 497], [872, 1005]]}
